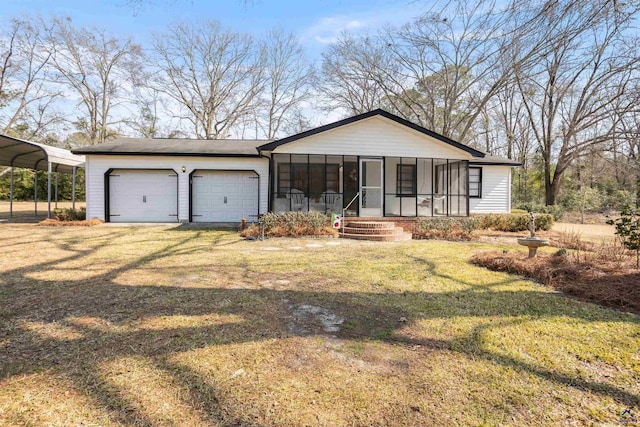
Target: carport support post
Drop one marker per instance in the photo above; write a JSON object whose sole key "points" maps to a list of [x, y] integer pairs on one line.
{"points": [[73, 189], [56, 193], [48, 189], [11, 194], [35, 190]]}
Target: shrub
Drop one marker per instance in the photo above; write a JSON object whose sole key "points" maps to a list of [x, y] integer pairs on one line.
{"points": [[70, 214], [555, 210], [446, 228], [628, 228], [585, 199], [292, 224], [514, 222]]}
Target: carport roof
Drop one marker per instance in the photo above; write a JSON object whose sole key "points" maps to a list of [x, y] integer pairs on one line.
{"points": [[32, 155], [176, 147]]}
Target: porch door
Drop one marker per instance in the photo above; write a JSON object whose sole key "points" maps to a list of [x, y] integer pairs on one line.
{"points": [[371, 187]]}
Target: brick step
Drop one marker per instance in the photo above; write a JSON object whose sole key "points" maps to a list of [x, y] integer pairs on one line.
{"points": [[402, 237], [370, 224], [368, 231]]}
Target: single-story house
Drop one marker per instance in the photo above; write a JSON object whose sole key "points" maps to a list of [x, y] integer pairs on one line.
{"points": [[374, 164]]}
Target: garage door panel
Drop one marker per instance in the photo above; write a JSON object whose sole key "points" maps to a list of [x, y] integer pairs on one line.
{"points": [[224, 196], [143, 196]]}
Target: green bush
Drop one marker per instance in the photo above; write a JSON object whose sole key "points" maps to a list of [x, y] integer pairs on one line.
{"points": [[537, 208], [619, 199], [628, 229], [514, 222], [70, 214], [446, 228]]}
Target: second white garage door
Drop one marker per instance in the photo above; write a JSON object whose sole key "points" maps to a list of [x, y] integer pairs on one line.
{"points": [[224, 196]]}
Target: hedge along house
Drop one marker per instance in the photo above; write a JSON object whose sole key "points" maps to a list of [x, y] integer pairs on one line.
{"points": [[378, 164]]}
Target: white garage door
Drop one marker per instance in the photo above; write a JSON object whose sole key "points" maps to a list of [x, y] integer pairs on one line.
{"points": [[143, 196], [224, 196]]}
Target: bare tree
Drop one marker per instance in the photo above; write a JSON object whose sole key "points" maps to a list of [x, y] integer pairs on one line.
{"points": [[145, 120], [25, 97], [98, 68], [441, 70], [288, 81], [349, 79], [569, 92], [215, 75], [450, 64]]}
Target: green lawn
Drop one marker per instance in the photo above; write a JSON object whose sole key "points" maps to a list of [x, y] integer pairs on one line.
{"points": [[159, 326]]}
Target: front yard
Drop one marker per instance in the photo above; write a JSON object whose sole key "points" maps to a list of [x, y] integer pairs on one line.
{"points": [[159, 326]]}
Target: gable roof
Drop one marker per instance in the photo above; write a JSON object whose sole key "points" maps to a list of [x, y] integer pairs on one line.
{"points": [[378, 112], [176, 147]]}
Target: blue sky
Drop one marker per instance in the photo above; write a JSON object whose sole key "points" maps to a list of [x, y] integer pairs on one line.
{"points": [[317, 22]]}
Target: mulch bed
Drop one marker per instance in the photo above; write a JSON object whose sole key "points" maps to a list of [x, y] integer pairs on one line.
{"points": [[613, 284]]}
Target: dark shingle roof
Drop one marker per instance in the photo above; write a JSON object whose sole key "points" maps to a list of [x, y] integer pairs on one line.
{"points": [[176, 147]]}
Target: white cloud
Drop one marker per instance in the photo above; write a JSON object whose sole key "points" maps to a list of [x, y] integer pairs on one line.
{"points": [[326, 30]]}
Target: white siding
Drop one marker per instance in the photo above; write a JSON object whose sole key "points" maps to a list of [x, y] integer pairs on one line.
{"points": [[496, 191], [376, 137], [97, 165]]}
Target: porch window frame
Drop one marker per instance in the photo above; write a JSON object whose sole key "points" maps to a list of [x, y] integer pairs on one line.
{"points": [[400, 181]]}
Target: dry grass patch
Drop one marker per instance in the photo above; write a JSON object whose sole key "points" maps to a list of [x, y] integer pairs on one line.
{"points": [[158, 326], [53, 222]]}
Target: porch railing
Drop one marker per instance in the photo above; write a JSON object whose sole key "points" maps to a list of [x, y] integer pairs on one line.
{"points": [[344, 210]]}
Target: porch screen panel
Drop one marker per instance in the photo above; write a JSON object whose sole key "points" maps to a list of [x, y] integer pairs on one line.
{"points": [[317, 183], [425, 187], [299, 192], [408, 175], [281, 201], [457, 193], [391, 198], [464, 188], [350, 172], [334, 182], [441, 187]]}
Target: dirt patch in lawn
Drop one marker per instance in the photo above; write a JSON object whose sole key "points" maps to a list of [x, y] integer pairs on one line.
{"points": [[611, 283]]}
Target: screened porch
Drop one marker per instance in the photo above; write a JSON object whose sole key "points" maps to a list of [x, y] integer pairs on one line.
{"points": [[383, 186]]}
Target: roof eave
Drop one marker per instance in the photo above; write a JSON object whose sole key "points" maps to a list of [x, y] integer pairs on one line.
{"points": [[181, 154], [481, 163]]}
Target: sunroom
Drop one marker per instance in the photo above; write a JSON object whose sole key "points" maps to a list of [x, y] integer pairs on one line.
{"points": [[371, 186]]}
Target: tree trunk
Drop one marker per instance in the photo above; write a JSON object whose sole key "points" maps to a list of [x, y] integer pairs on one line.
{"points": [[551, 189], [638, 187], [549, 183]]}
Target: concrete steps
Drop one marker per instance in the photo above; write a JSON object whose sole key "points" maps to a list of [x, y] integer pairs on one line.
{"points": [[375, 231]]}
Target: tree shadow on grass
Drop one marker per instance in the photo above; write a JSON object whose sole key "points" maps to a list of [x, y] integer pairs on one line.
{"points": [[259, 314]]}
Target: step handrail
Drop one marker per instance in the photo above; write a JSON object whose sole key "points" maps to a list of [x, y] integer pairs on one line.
{"points": [[344, 210]]}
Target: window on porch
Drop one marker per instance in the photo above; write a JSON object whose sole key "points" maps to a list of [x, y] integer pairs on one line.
{"points": [[425, 187]]}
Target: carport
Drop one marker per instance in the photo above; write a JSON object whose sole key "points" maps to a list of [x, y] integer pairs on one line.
{"points": [[16, 152]]}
